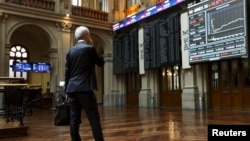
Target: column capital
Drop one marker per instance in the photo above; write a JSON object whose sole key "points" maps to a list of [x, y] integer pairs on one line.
{"points": [[66, 27], [3, 17], [108, 57]]}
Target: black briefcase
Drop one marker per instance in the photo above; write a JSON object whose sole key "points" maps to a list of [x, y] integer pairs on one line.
{"points": [[62, 115]]}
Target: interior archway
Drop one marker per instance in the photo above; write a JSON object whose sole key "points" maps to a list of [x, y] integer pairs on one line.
{"points": [[37, 42]]}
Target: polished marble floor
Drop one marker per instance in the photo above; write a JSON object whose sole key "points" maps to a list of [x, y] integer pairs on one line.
{"points": [[124, 123]]}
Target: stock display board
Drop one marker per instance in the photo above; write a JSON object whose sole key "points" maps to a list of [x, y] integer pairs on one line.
{"points": [[125, 50], [217, 30], [162, 42]]}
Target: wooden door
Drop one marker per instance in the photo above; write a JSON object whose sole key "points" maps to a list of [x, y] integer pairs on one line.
{"points": [[133, 83], [215, 85], [170, 90], [226, 85], [236, 84], [231, 85], [166, 96], [246, 84]]}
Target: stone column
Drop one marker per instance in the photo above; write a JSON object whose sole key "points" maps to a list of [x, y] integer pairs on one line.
{"points": [[114, 85], [145, 92], [54, 70], [6, 61], [108, 81], [58, 57], [190, 89], [64, 43], [3, 70]]}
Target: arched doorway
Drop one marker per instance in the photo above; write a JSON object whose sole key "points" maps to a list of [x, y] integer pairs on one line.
{"points": [[36, 41]]}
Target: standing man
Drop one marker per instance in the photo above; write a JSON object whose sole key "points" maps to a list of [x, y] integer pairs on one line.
{"points": [[80, 81]]}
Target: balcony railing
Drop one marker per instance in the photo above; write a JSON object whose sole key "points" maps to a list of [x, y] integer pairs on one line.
{"points": [[89, 13], [39, 4], [50, 5]]}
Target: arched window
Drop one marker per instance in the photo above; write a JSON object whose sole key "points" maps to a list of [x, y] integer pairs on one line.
{"points": [[18, 53]]}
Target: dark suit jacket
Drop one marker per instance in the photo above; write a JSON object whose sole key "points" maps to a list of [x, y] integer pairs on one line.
{"points": [[80, 68]]}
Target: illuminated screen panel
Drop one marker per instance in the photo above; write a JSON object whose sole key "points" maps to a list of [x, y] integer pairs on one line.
{"points": [[22, 67], [146, 13], [31, 67], [217, 30], [41, 67]]}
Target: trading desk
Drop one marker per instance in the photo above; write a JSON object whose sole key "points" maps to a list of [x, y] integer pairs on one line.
{"points": [[18, 100]]}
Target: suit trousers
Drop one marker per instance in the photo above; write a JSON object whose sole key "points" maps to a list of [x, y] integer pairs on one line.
{"points": [[86, 101]]}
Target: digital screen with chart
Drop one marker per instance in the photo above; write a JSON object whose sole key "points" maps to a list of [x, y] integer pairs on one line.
{"points": [[217, 30]]}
